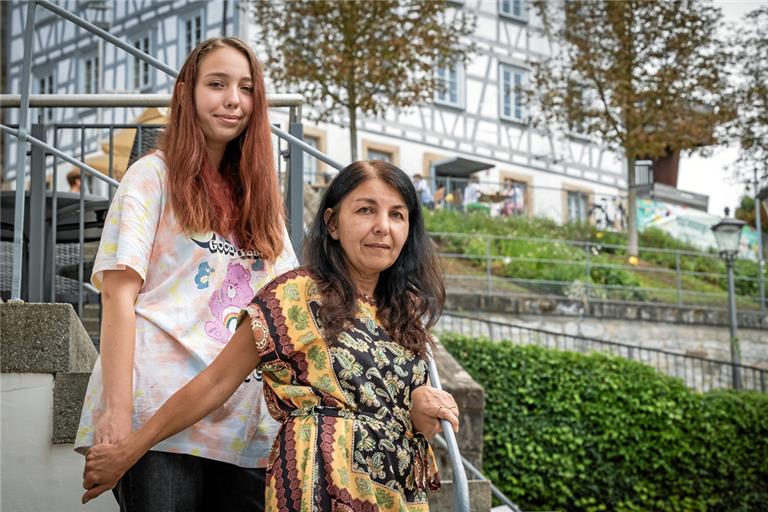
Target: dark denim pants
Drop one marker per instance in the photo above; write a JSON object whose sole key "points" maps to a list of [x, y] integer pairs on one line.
{"points": [[172, 482]]}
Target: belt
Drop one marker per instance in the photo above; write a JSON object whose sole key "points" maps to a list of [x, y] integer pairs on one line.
{"points": [[423, 469]]}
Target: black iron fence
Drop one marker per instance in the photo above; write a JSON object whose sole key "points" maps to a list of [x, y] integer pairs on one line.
{"points": [[698, 373]]}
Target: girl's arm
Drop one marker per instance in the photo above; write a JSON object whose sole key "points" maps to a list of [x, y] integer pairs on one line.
{"points": [[118, 338], [106, 464]]}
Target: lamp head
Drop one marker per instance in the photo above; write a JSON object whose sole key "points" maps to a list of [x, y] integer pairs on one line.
{"points": [[728, 234]]}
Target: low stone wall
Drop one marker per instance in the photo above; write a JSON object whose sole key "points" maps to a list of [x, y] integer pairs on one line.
{"points": [[537, 305], [646, 326]]}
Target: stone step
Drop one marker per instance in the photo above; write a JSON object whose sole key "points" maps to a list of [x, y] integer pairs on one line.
{"points": [[479, 497]]}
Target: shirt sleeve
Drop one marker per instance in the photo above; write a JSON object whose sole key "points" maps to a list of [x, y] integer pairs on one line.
{"points": [[131, 223]]}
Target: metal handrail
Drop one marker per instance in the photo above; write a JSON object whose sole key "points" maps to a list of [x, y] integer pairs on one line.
{"points": [[74, 161], [122, 100], [460, 486]]}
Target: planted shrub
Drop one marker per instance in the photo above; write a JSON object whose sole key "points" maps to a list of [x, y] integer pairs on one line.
{"points": [[567, 431]]}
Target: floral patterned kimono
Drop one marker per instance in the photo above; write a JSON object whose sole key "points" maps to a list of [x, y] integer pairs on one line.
{"points": [[346, 441]]}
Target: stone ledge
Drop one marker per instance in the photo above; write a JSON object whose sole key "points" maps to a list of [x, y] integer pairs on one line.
{"points": [[536, 305], [43, 338], [68, 395]]}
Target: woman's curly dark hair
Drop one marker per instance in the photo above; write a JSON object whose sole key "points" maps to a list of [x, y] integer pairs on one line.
{"points": [[409, 295]]}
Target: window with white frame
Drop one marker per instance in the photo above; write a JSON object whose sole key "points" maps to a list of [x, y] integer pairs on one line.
{"points": [[310, 162], [375, 154], [45, 85], [450, 85], [142, 77], [514, 9], [577, 206], [192, 29], [513, 82], [89, 73], [576, 103]]}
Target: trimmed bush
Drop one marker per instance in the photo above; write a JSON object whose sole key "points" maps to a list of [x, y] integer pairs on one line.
{"points": [[567, 431]]}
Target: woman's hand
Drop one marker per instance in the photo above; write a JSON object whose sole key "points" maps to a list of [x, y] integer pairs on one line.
{"points": [[430, 405], [105, 465]]}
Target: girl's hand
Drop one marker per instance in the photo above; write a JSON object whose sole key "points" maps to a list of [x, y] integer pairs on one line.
{"points": [[430, 405], [112, 425], [105, 465]]}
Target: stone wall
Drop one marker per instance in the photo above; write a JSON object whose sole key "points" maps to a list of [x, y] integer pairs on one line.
{"points": [[537, 305], [701, 333]]}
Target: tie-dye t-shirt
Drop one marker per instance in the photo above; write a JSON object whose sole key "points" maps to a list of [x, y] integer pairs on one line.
{"points": [[194, 287]]}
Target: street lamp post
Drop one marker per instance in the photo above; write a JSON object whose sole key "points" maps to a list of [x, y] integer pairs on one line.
{"points": [[727, 233]]}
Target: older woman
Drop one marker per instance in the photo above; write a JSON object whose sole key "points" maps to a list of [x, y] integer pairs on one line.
{"points": [[341, 347]]}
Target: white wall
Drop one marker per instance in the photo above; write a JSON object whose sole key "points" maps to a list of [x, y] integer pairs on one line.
{"points": [[37, 475]]}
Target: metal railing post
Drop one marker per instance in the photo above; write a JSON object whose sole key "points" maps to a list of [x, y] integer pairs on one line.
{"points": [[588, 271], [296, 189], [21, 155], [34, 270], [760, 260], [678, 279], [488, 265]]}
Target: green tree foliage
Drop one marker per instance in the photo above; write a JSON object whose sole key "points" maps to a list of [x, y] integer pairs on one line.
{"points": [[750, 128], [645, 78], [567, 431], [350, 57]]}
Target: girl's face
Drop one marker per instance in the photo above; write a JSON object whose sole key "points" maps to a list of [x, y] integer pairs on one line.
{"points": [[223, 96]]}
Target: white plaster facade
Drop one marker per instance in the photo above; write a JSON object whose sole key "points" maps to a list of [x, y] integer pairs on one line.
{"points": [[37, 475]]}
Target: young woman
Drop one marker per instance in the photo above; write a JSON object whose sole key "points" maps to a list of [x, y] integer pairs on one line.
{"points": [[194, 231], [341, 345]]}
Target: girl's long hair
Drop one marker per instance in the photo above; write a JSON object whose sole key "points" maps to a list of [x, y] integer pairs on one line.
{"points": [[409, 295], [242, 197]]}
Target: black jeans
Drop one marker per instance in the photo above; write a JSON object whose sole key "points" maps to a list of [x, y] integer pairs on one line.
{"points": [[168, 482]]}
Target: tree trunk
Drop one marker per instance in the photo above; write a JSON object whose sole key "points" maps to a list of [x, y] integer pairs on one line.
{"points": [[353, 132], [632, 237]]}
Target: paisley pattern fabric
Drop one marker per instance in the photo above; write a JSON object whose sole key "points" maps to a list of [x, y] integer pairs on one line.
{"points": [[346, 442]]}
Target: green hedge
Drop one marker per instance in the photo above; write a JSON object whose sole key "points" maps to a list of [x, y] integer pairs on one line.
{"points": [[567, 431]]}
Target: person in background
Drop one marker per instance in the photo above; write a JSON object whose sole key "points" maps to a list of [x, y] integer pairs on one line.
{"points": [[73, 180], [422, 189], [342, 345], [471, 192]]}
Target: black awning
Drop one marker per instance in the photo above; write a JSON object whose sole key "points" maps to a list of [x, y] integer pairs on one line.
{"points": [[458, 167]]}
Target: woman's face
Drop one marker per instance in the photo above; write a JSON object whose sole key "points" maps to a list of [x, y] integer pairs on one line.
{"points": [[371, 224], [223, 95]]}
